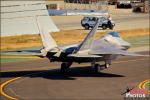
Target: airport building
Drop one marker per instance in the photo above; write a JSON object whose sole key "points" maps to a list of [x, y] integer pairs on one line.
{"points": [[55, 4], [78, 4]]}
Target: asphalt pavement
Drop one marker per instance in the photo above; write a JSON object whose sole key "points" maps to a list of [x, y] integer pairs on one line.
{"points": [[42, 80], [122, 21]]}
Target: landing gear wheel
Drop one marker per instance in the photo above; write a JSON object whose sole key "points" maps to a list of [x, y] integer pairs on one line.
{"points": [[97, 68], [87, 26], [104, 27], [111, 27], [65, 67]]}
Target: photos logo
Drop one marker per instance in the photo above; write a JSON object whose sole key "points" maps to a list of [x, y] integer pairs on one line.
{"points": [[142, 92]]}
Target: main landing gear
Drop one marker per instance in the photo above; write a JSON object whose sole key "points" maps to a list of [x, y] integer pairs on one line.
{"points": [[97, 67], [65, 66]]}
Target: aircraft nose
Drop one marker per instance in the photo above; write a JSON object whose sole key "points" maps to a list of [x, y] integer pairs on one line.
{"points": [[125, 47], [124, 44]]}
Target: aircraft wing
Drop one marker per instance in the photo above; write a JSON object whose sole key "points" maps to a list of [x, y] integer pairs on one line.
{"points": [[113, 50]]}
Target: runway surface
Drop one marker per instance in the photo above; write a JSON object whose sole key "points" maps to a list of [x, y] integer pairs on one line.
{"points": [[41, 80], [122, 21]]}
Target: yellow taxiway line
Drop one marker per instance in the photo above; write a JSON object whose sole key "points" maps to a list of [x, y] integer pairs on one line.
{"points": [[142, 84], [14, 79], [6, 83], [34, 57]]}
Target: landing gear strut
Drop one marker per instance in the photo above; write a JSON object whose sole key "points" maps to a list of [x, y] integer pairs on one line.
{"points": [[65, 66]]}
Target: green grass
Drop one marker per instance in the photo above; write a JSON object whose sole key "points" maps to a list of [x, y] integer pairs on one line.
{"points": [[148, 86], [138, 41], [6, 60]]}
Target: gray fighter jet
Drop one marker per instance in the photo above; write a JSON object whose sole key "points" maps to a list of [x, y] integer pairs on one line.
{"points": [[104, 49]]}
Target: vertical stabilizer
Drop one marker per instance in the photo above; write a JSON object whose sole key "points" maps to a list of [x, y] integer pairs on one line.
{"points": [[86, 44], [47, 40]]}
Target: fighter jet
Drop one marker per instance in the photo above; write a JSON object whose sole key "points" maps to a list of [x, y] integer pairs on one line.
{"points": [[105, 49]]}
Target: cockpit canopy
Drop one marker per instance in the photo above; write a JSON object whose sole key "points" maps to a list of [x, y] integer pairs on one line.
{"points": [[114, 34]]}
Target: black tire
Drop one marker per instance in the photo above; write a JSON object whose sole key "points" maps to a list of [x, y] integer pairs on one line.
{"points": [[137, 9], [111, 27], [97, 68], [64, 67], [118, 6], [86, 26], [104, 27]]}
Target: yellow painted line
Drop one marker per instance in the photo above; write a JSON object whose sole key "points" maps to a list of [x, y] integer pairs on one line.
{"points": [[3, 86], [142, 84], [14, 79], [20, 57]]}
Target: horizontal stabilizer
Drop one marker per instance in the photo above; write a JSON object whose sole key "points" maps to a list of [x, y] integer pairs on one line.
{"points": [[33, 51], [22, 53], [84, 56]]}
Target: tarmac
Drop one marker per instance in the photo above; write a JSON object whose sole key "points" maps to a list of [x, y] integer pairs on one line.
{"points": [[42, 80], [123, 21]]}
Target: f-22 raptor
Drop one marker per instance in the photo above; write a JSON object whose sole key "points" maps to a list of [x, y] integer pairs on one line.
{"points": [[105, 49]]}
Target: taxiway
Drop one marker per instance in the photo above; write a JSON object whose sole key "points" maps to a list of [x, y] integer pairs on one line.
{"points": [[41, 80]]}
